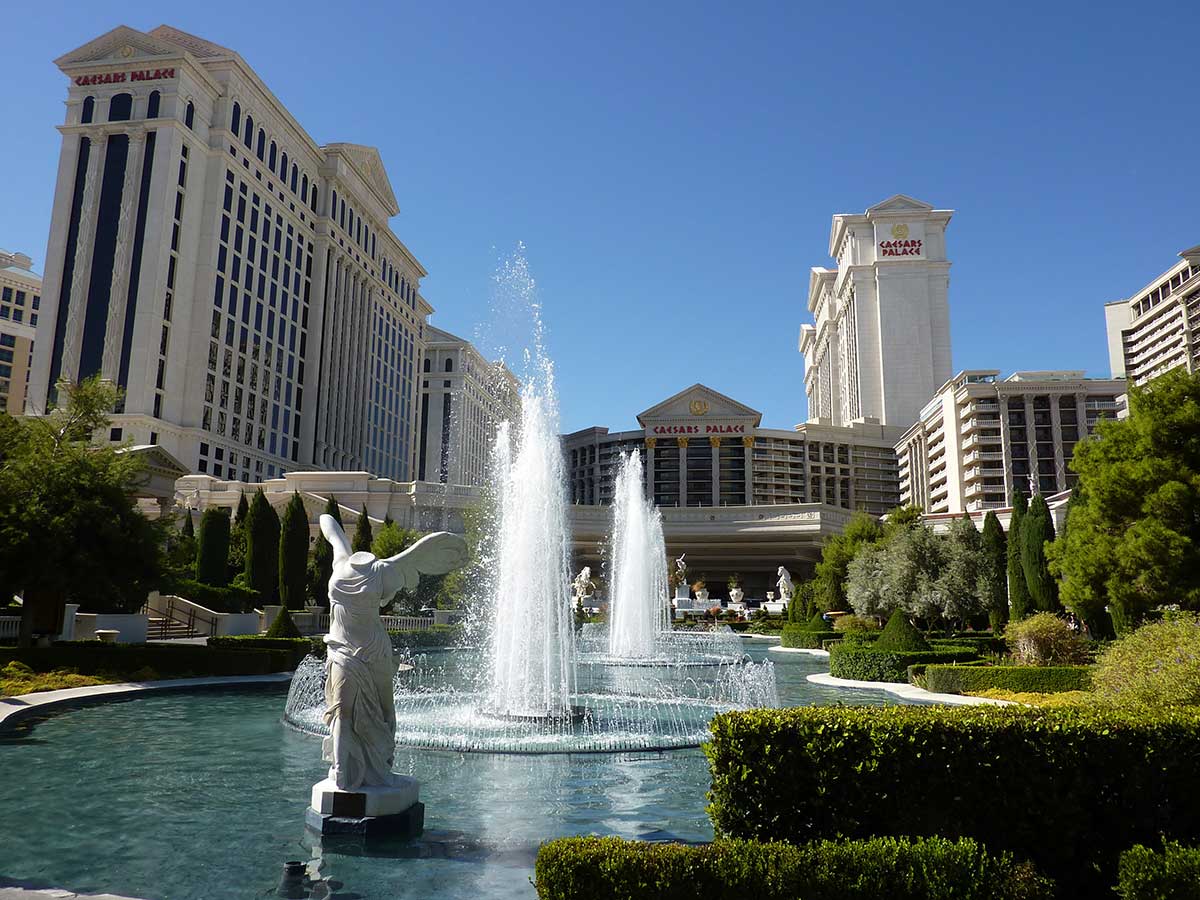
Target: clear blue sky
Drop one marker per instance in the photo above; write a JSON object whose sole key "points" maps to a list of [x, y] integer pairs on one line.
{"points": [[672, 167]]}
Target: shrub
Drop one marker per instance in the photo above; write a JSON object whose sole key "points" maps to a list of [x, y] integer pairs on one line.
{"points": [[262, 548], [609, 868], [1158, 664], [213, 547], [859, 663], [1019, 679], [852, 624], [283, 626], [1045, 640], [801, 637], [437, 636], [900, 634], [817, 623], [231, 598], [297, 647], [1068, 788], [170, 661], [1173, 874]]}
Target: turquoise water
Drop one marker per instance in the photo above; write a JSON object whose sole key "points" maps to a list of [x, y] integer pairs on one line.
{"points": [[202, 795]]}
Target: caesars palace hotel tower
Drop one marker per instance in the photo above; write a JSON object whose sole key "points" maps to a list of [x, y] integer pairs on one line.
{"points": [[237, 280], [880, 345]]}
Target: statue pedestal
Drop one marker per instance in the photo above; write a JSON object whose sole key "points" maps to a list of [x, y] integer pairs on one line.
{"points": [[682, 592], [369, 811]]}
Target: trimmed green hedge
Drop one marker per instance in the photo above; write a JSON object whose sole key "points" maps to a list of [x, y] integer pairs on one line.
{"points": [[982, 644], [297, 648], [228, 599], [437, 636], [860, 663], [594, 868], [800, 637], [90, 657], [1020, 679], [1173, 874], [1069, 788]]}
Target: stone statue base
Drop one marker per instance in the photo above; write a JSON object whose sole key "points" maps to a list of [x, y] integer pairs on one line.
{"points": [[682, 592], [370, 811]]}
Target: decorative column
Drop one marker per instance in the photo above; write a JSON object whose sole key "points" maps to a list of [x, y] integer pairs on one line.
{"points": [[1060, 468], [748, 457], [1081, 429], [82, 270], [682, 443], [118, 295], [1005, 448], [715, 443], [1031, 442], [650, 443]]}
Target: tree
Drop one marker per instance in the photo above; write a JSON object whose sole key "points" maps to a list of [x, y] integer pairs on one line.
{"points": [[1037, 528], [865, 583], [1134, 536], [362, 533], [213, 550], [1019, 602], [958, 583], [283, 626], [993, 589], [320, 566], [262, 549], [293, 554], [836, 554], [391, 540], [913, 563], [188, 529], [69, 521], [237, 538]]}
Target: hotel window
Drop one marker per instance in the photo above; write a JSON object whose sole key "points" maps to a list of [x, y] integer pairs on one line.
{"points": [[262, 144], [248, 134], [89, 110], [189, 115], [271, 157], [120, 107], [293, 180], [152, 105], [235, 120]]}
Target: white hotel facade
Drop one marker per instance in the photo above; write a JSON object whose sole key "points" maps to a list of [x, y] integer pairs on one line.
{"points": [[235, 278]]}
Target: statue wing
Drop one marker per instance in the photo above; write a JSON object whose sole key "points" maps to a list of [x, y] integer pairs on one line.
{"points": [[434, 554], [336, 536]]}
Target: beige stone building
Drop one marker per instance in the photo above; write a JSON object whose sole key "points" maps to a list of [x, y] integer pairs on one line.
{"points": [[982, 436], [20, 304], [1158, 328]]}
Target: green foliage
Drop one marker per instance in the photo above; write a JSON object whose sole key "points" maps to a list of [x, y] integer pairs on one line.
{"points": [[836, 555], [231, 598], [900, 634], [958, 582], [802, 637], [850, 624], [168, 660], [1037, 528], [262, 548], [363, 538], [293, 554], [993, 573], [1018, 679], [69, 522], [391, 540], [1157, 665], [283, 627], [431, 638], [187, 530], [180, 549], [1068, 788], [237, 537], [1019, 601], [902, 572], [1173, 874], [859, 662], [213, 550], [296, 647], [1045, 640], [817, 623], [1134, 536], [611, 868], [320, 567]]}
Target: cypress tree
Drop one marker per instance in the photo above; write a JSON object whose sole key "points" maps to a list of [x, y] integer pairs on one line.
{"points": [[387, 520], [321, 565], [900, 635], [1019, 602], [293, 554], [262, 549], [362, 533], [1036, 529], [213, 552], [188, 529], [237, 538], [992, 586], [243, 510]]}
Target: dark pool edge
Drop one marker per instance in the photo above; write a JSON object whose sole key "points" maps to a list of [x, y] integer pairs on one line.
{"points": [[23, 706]]}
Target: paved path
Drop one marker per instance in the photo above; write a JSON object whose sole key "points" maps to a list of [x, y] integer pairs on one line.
{"points": [[12, 709], [24, 893], [907, 691]]}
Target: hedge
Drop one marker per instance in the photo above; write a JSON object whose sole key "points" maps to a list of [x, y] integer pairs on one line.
{"points": [[1019, 679], [228, 599], [595, 868], [868, 664], [981, 643], [437, 636], [91, 657], [296, 648], [1173, 874], [1069, 788], [801, 638]]}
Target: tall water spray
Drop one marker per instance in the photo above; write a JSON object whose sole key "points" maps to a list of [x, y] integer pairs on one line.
{"points": [[532, 661], [637, 602]]}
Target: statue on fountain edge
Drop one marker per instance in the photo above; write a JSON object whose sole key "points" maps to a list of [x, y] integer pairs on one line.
{"points": [[359, 706]]}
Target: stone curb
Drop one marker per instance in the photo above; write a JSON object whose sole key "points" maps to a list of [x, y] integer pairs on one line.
{"points": [[9, 892], [805, 651], [13, 709], [906, 691]]}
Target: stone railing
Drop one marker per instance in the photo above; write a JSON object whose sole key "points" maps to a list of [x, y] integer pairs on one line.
{"points": [[10, 628]]}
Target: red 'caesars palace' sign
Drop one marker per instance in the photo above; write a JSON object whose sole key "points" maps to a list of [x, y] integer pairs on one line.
{"points": [[900, 248], [121, 77], [698, 429]]}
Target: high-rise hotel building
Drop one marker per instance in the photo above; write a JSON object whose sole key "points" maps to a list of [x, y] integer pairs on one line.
{"points": [[235, 278], [880, 343], [20, 302]]}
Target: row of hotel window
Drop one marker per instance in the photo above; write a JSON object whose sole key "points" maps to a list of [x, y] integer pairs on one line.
{"points": [[12, 306], [271, 156], [120, 109]]}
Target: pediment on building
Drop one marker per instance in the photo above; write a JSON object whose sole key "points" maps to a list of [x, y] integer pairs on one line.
{"points": [[698, 404], [121, 46], [900, 203], [157, 460], [367, 162]]}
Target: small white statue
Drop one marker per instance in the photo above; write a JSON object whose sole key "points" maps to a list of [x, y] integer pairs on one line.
{"points": [[784, 584], [681, 568], [359, 707], [583, 585]]}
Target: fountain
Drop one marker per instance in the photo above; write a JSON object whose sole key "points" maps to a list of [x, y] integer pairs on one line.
{"points": [[637, 601], [529, 685]]}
